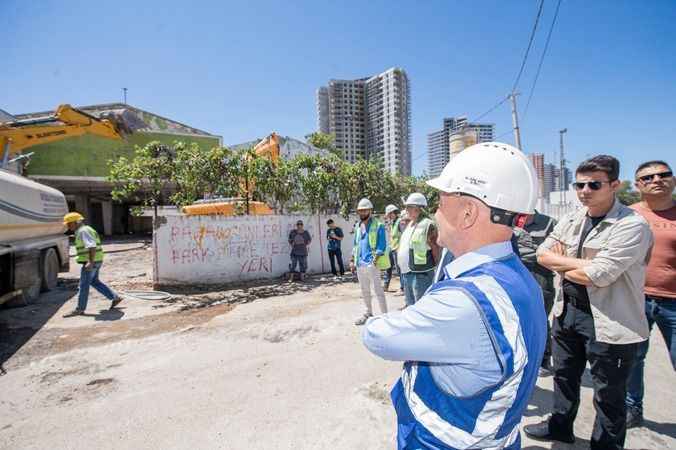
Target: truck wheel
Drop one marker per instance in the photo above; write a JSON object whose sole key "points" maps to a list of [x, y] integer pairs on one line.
{"points": [[50, 269], [32, 292]]}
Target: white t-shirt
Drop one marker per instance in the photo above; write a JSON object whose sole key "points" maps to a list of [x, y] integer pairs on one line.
{"points": [[87, 238], [403, 250]]}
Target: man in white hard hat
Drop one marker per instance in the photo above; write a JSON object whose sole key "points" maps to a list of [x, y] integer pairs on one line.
{"points": [[369, 257], [418, 251], [395, 228], [472, 345]]}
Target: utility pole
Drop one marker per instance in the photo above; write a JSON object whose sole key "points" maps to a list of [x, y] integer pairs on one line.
{"points": [[515, 120], [562, 167], [124, 92]]}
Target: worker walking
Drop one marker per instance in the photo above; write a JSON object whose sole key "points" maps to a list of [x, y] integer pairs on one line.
{"points": [[369, 257], [395, 229], [90, 256], [473, 343], [418, 251]]}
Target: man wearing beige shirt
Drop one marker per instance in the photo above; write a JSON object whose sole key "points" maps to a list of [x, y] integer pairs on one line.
{"points": [[600, 254]]}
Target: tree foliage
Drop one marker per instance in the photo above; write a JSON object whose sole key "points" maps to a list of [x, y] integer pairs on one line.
{"points": [[306, 183], [627, 195]]}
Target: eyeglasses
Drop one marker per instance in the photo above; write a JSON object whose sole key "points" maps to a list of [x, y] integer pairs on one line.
{"points": [[651, 177], [593, 185]]}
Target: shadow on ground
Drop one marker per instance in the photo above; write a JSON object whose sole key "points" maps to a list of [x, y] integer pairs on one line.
{"points": [[18, 325]]}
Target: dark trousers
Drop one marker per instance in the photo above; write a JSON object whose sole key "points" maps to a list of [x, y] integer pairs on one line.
{"points": [[300, 261], [393, 266], [660, 311], [573, 344], [333, 255], [548, 293]]}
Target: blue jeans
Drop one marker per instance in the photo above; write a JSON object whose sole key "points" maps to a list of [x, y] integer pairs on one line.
{"points": [[415, 285], [91, 278], [663, 312], [298, 260]]}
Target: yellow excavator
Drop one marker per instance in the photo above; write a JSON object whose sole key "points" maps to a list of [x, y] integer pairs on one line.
{"points": [[64, 123], [267, 148]]}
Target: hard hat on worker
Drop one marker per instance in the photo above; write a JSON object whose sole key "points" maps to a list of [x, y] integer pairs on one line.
{"points": [[364, 203], [416, 199], [499, 175], [72, 217], [390, 209]]}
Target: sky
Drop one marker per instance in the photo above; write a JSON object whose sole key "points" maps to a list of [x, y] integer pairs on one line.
{"points": [[244, 69]]}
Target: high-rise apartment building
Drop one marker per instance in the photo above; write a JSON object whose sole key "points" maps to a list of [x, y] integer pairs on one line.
{"points": [[553, 181], [370, 118], [538, 160], [457, 134]]}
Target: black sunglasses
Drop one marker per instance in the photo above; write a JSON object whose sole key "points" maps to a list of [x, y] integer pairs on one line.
{"points": [[593, 185], [661, 175]]}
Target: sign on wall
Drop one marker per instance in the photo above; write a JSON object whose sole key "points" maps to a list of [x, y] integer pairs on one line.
{"points": [[220, 249]]}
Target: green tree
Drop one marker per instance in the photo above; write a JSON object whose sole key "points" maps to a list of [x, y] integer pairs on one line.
{"points": [[277, 183], [326, 141], [199, 173], [145, 178], [317, 180], [627, 195]]}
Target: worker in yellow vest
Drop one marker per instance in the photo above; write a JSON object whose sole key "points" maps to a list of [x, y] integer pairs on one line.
{"points": [[394, 228], [418, 251], [90, 256], [369, 257]]}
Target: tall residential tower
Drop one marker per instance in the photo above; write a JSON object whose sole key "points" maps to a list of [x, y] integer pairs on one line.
{"points": [[457, 134], [370, 118]]}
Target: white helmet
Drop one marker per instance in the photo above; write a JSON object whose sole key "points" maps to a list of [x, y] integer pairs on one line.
{"points": [[391, 208], [416, 199], [364, 203], [498, 174]]}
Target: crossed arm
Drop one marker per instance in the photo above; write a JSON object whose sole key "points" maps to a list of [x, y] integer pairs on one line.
{"points": [[572, 269]]}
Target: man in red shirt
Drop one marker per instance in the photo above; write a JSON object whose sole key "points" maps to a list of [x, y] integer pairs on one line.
{"points": [[655, 181]]}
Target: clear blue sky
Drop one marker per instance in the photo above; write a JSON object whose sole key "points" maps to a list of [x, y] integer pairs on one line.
{"points": [[243, 69]]}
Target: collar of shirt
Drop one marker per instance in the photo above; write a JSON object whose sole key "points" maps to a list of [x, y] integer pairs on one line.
{"points": [[483, 255]]}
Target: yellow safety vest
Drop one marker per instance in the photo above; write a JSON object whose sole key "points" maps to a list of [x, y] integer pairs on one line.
{"points": [[82, 252], [383, 261]]}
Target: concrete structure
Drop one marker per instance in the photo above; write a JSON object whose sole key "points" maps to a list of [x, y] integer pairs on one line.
{"points": [[370, 118], [465, 133], [220, 249], [78, 166]]}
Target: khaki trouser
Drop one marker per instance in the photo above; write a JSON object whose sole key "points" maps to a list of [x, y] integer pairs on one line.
{"points": [[367, 276]]}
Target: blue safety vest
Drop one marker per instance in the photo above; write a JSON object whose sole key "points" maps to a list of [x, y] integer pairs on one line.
{"points": [[511, 306]]}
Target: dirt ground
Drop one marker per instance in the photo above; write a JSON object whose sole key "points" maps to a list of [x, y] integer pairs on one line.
{"points": [[263, 366]]}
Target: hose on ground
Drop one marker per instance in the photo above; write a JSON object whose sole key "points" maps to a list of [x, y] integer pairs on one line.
{"points": [[148, 295]]}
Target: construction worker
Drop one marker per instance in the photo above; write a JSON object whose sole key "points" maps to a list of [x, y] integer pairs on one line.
{"points": [[472, 345], [90, 256], [369, 257], [418, 251], [395, 229]]}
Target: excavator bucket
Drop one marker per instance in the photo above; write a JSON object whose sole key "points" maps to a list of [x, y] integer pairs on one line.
{"points": [[125, 123]]}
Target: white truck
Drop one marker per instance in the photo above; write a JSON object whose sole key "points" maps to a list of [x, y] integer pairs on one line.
{"points": [[33, 246]]}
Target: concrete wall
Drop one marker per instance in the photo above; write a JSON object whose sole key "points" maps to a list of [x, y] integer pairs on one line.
{"points": [[218, 249]]}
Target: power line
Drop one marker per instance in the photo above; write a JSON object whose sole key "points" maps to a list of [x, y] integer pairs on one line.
{"points": [[530, 44], [492, 108], [542, 58]]}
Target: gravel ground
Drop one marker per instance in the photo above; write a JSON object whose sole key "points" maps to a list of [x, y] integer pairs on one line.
{"points": [[261, 366]]}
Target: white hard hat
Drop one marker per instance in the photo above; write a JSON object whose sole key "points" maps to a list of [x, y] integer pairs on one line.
{"points": [[498, 174], [365, 203], [391, 208], [416, 199]]}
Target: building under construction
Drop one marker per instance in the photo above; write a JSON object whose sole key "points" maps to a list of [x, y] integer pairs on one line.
{"points": [[78, 166]]}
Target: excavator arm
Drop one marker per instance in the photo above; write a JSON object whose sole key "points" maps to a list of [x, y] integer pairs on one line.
{"points": [[65, 123]]}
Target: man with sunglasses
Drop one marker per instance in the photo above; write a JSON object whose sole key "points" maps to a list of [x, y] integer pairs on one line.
{"points": [[601, 253], [655, 181]]}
